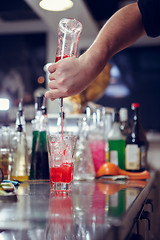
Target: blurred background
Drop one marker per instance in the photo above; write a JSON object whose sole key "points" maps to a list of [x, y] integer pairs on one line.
{"points": [[28, 41]]}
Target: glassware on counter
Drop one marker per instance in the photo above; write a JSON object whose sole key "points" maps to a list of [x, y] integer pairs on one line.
{"points": [[6, 150], [19, 169], [61, 218], [83, 168], [124, 124], [35, 131], [40, 163], [136, 143], [20, 116], [96, 138], [61, 160], [116, 142]]}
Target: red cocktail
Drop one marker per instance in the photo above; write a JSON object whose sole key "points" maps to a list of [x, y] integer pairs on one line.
{"points": [[61, 160], [63, 173]]}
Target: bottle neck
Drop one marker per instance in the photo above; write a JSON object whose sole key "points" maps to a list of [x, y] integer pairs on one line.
{"points": [[116, 116], [136, 117], [43, 123]]}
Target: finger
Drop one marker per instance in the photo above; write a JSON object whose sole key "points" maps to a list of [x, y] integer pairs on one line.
{"points": [[52, 68], [52, 84], [51, 76], [53, 94]]}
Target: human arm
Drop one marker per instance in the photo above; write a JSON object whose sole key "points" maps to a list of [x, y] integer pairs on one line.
{"points": [[72, 75]]}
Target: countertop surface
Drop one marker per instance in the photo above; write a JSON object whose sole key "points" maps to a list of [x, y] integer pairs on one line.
{"points": [[91, 211]]}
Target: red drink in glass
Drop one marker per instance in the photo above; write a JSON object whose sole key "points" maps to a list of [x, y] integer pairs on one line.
{"points": [[63, 173], [61, 160]]}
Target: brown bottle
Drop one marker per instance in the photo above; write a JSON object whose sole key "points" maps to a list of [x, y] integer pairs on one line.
{"points": [[136, 143]]}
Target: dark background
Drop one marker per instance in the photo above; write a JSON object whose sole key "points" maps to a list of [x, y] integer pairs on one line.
{"points": [[22, 56], [139, 69]]}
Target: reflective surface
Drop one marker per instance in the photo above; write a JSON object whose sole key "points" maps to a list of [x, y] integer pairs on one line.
{"points": [[86, 213]]}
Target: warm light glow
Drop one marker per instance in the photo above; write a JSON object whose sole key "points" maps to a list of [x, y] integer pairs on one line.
{"points": [[56, 5], [4, 104], [40, 80]]}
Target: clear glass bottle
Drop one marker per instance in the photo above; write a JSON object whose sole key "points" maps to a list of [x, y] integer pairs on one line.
{"points": [[124, 124], [69, 31], [83, 167], [20, 118], [116, 142], [19, 169], [136, 143]]}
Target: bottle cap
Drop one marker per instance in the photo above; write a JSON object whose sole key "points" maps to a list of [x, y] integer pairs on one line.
{"points": [[135, 105]]}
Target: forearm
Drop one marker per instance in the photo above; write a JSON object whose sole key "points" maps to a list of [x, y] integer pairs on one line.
{"points": [[119, 32]]}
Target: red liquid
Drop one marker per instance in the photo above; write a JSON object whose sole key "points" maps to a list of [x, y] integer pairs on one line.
{"points": [[59, 57], [64, 173]]}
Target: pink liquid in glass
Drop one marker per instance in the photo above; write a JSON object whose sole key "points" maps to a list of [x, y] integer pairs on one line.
{"points": [[98, 153]]}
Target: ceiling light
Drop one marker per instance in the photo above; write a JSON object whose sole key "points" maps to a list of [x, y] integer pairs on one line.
{"points": [[56, 5], [4, 104]]}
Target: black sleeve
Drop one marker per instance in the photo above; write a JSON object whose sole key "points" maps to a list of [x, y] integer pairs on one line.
{"points": [[150, 11]]}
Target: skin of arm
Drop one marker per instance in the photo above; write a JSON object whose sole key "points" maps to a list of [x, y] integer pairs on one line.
{"points": [[71, 75]]}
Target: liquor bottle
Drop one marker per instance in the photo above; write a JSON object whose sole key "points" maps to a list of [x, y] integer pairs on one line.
{"points": [[19, 169], [116, 142], [136, 143], [41, 166], [20, 118], [124, 124], [35, 130]]}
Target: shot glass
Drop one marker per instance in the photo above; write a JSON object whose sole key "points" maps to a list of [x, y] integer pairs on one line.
{"points": [[61, 160]]}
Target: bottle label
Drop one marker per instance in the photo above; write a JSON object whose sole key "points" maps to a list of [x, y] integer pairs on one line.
{"points": [[132, 157], [114, 157], [143, 153]]}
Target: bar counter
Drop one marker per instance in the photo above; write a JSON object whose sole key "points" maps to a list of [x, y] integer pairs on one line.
{"points": [[100, 209]]}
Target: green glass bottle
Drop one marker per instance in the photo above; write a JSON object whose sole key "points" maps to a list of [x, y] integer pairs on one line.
{"points": [[34, 140], [35, 131], [41, 164]]}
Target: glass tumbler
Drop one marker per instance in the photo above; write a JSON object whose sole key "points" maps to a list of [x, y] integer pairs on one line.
{"points": [[61, 160]]}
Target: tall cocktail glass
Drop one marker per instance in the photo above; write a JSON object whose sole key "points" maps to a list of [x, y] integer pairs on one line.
{"points": [[61, 160]]}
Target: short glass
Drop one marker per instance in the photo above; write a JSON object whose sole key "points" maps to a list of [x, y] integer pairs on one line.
{"points": [[61, 160]]}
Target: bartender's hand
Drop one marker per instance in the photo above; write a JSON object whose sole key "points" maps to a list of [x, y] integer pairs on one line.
{"points": [[71, 76], [67, 78]]}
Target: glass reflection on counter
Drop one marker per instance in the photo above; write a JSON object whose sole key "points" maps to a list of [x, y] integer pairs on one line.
{"points": [[78, 215], [87, 212], [60, 216]]}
